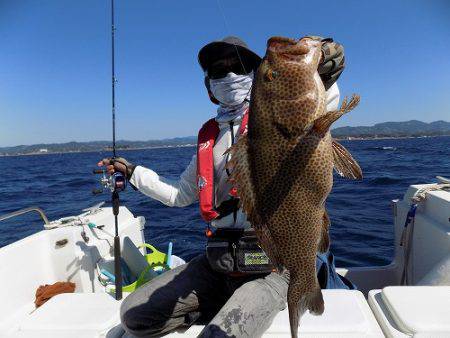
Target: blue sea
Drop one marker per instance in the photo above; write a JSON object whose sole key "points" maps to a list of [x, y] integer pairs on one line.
{"points": [[360, 212]]}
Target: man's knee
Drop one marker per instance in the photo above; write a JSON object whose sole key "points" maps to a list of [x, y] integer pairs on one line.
{"points": [[260, 295], [127, 316], [141, 319]]}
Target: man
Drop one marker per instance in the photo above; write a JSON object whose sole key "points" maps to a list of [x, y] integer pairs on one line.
{"points": [[234, 298]]}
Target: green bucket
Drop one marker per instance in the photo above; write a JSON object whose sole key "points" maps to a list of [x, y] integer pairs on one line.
{"points": [[156, 261]]}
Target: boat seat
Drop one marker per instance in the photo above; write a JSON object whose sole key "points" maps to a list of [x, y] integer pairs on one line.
{"points": [[347, 314], [419, 311], [72, 315]]}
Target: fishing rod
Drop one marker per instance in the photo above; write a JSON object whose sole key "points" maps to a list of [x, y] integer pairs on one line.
{"points": [[119, 180], [116, 182]]}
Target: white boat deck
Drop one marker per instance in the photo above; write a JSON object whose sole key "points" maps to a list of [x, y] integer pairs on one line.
{"points": [[96, 315], [62, 254]]}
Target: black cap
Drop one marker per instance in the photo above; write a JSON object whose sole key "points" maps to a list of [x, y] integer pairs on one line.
{"points": [[230, 45]]}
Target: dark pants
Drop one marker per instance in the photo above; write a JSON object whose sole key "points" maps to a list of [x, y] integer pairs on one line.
{"points": [[230, 306]]}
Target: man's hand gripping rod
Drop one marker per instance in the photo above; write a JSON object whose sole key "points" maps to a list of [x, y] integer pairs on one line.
{"points": [[115, 183]]}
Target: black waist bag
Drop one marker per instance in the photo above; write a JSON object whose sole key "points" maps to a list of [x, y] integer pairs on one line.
{"points": [[236, 251], [250, 258]]}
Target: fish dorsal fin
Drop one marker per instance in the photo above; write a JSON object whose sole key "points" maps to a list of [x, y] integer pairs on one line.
{"points": [[344, 164], [241, 178]]}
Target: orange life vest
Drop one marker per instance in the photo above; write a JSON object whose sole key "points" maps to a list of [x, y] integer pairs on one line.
{"points": [[205, 166]]}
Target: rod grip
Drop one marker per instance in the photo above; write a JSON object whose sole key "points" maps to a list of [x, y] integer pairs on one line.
{"points": [[115, 203], [117, 268], [97, 171]]}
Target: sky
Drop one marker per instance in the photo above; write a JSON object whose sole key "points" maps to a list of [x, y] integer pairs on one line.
{"points": [[55, 81]]}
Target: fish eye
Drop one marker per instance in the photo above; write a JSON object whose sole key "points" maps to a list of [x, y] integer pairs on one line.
{"points": [[271, 74]]}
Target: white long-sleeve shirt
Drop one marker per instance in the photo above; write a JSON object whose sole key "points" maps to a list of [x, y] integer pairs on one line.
{"points": [[183, 191]]}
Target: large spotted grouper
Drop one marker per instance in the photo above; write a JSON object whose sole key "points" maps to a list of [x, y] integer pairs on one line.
{"points": [[283, 167]]}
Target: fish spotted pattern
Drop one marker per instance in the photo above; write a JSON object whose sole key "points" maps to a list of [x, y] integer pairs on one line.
{"points": [[283, 167]]}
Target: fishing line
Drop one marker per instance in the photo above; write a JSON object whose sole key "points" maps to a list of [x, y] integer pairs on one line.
{"points": [[113, 81], [228, 32], [235, 47]]}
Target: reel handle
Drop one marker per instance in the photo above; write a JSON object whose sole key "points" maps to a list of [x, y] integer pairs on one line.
{"points": [[97, 191]]}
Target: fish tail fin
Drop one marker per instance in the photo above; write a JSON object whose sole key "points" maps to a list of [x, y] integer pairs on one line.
{"points": [[344, 164], [300, 301], [314, 301], [323, 123], [295, 307], [324, 241]]}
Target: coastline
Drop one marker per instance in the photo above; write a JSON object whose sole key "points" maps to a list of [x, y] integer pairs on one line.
{"points": [[355, 138], [97, 151], [348, 138]]}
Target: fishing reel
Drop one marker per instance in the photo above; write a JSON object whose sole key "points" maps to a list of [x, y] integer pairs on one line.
{"points": [[115, 183]]}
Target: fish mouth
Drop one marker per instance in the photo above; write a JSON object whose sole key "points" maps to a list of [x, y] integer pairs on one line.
{"points": [[286, 47]]}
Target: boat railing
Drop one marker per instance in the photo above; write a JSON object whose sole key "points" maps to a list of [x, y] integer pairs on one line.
{"points": [[25, 211]]}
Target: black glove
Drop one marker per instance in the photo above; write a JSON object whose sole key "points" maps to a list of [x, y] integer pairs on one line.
{"points": [[123, 166], [332, 63], [118, 164]]}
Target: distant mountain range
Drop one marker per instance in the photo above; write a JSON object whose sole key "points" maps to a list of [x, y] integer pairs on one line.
{"points": [[411, 128], [45, 148]]}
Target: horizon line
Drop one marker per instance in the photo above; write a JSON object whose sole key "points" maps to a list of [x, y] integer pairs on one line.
{"points": [[188, 136]]}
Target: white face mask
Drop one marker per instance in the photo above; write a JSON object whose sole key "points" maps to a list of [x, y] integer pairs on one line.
{"points": [[232, 89]]}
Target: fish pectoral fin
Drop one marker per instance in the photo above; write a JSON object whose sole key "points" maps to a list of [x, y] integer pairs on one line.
{"points": [[323, 123], [344, 164]]}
